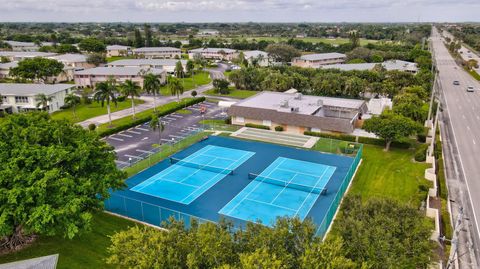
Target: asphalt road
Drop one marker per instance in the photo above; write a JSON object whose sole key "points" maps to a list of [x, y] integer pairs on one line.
{"points": [[461, 114], [132, 144]]}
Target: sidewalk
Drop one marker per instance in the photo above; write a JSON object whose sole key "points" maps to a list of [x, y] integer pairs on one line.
{"points": [[160, 100]]}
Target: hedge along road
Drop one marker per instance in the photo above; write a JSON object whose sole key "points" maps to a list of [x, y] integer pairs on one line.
{"points": [[139, 140]]}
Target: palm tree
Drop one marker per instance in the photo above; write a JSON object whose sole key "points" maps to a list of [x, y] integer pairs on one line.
{"points": [[72, 100], [152, 84], [105, 93], [129, 88], [43, 100], [176, 87], [156, 124]]}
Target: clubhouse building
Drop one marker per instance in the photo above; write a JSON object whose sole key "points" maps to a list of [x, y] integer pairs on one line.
{"points": [[298, 113]]}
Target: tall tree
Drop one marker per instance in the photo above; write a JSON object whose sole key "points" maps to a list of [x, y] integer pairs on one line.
{"points": [[151, 85], [157, 125], [221, 86], [148, 35], [96, 59], [179, 69], [43, 101], [282, 52], [105, 92], [391, 127], [58, 174], [354, 39], [92, 44], [72, 100], [138, 42], [176, 87], [37, 69], [129, 88]]}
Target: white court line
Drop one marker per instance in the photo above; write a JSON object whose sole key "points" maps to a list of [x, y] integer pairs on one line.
{"points": [[279, 206], [320, 180], [114, 138]]}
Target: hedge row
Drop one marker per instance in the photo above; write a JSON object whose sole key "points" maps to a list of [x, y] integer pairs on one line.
{"points": [[421, 153], [161, 113], [364, 140], [344, 137], [258, 126]]}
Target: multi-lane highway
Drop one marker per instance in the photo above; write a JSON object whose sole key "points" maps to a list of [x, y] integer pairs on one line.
{"points": [[461, 137]]}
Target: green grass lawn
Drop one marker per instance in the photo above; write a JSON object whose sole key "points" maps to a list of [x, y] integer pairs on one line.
{"points": [[234, 93], [184, 112], [116, 58], [390, 174], [88, 250], [87, 111], [333, 41], [200, 78], [218, 125]]}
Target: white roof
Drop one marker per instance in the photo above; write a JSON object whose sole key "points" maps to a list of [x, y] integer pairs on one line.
{"points": [[8, 65], [117, 47], [149, 62], [30, 89], [322, 56], [350, 67], [388, 65], [307, 104], [26, 54], [212, 50], [45, 262], [156, 49], [70, 58], [119, 71], [254, 54], [400, 65], [20, 44]]}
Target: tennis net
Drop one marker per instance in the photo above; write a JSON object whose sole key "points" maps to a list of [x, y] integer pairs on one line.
{"points": [[220, 170], [285, 184]]}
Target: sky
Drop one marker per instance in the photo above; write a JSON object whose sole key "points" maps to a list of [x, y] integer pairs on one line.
{"points": [[239, 10]]}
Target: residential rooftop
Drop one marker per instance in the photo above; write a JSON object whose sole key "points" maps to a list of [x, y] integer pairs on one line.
{"points": [[30, 89], [155, 49], [117, 47], [388, 65], [212, 50], [254, 53], [322, 56], [70, 57], [26, 54], [150, 62], [119, 71], [305, 104]]}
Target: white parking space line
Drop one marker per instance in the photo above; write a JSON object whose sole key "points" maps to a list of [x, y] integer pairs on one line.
{"points": [[132, 132], [166, 140], [143, 151], [176, 115], [141, 129], [115, 138], [176, 136], [124, 135], [169, 118], [120, 162], [132, 156]]}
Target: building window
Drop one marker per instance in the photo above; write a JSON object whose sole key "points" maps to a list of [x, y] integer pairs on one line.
{"points": [[21, 99], [267, 123], [240, 119], [4, 100]]}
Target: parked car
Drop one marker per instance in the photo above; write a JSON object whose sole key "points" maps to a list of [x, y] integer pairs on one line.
{"points": [[456, 82], [470, 89]]}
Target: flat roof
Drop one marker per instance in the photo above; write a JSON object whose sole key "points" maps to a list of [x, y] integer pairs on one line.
{"points": [[8, 65], [138, 62], [307, 104], [118, 71], [322, 56], [30, 89], [350, 67], [212, 50], [388, 65], [70, 57], [155, 49], [117, 47]]}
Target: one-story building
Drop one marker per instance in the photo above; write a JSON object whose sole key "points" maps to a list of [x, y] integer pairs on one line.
{"points": [[75, 60], [214, 53], [261, 57], [166, 64], [19, 97], [157, 53], [21, 55], [118, 50], [298, 113], [92, 76], [319, 59], [389, 65]]}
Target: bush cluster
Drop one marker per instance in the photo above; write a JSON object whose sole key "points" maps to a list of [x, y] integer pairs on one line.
{"points": [[258, 126]]}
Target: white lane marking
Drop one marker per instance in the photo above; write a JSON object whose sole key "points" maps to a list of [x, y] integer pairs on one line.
{"points": [[114, 138], [132, 132], [141, 129], [145, 138]]}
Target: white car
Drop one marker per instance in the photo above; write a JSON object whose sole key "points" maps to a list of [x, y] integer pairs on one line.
{"points": [[470, 89]]}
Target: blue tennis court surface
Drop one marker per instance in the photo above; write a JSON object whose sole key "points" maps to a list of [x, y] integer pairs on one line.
{"points": [[189, 178], [286, 188]]}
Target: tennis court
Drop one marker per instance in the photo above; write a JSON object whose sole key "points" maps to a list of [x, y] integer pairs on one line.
{"points": [[188, 178], [287, 187]]}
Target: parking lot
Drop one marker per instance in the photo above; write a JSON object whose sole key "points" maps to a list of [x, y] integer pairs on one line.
{"points": [[137, 142]]}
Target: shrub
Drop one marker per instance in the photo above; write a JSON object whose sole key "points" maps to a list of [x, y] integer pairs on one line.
{"points": [[279, 128], [421, 153], [194, 93], [92, 127], [258, 126], [121, 98], [422, 137], [344, 137], [228, 120], [179, 106]]}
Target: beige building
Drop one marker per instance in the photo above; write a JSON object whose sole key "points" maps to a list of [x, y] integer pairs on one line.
{"points": [[298, 113], [118, 50], [19, 97], [92, 76], [157, 53], [166, 64], [319, 59], [214, 53]]}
